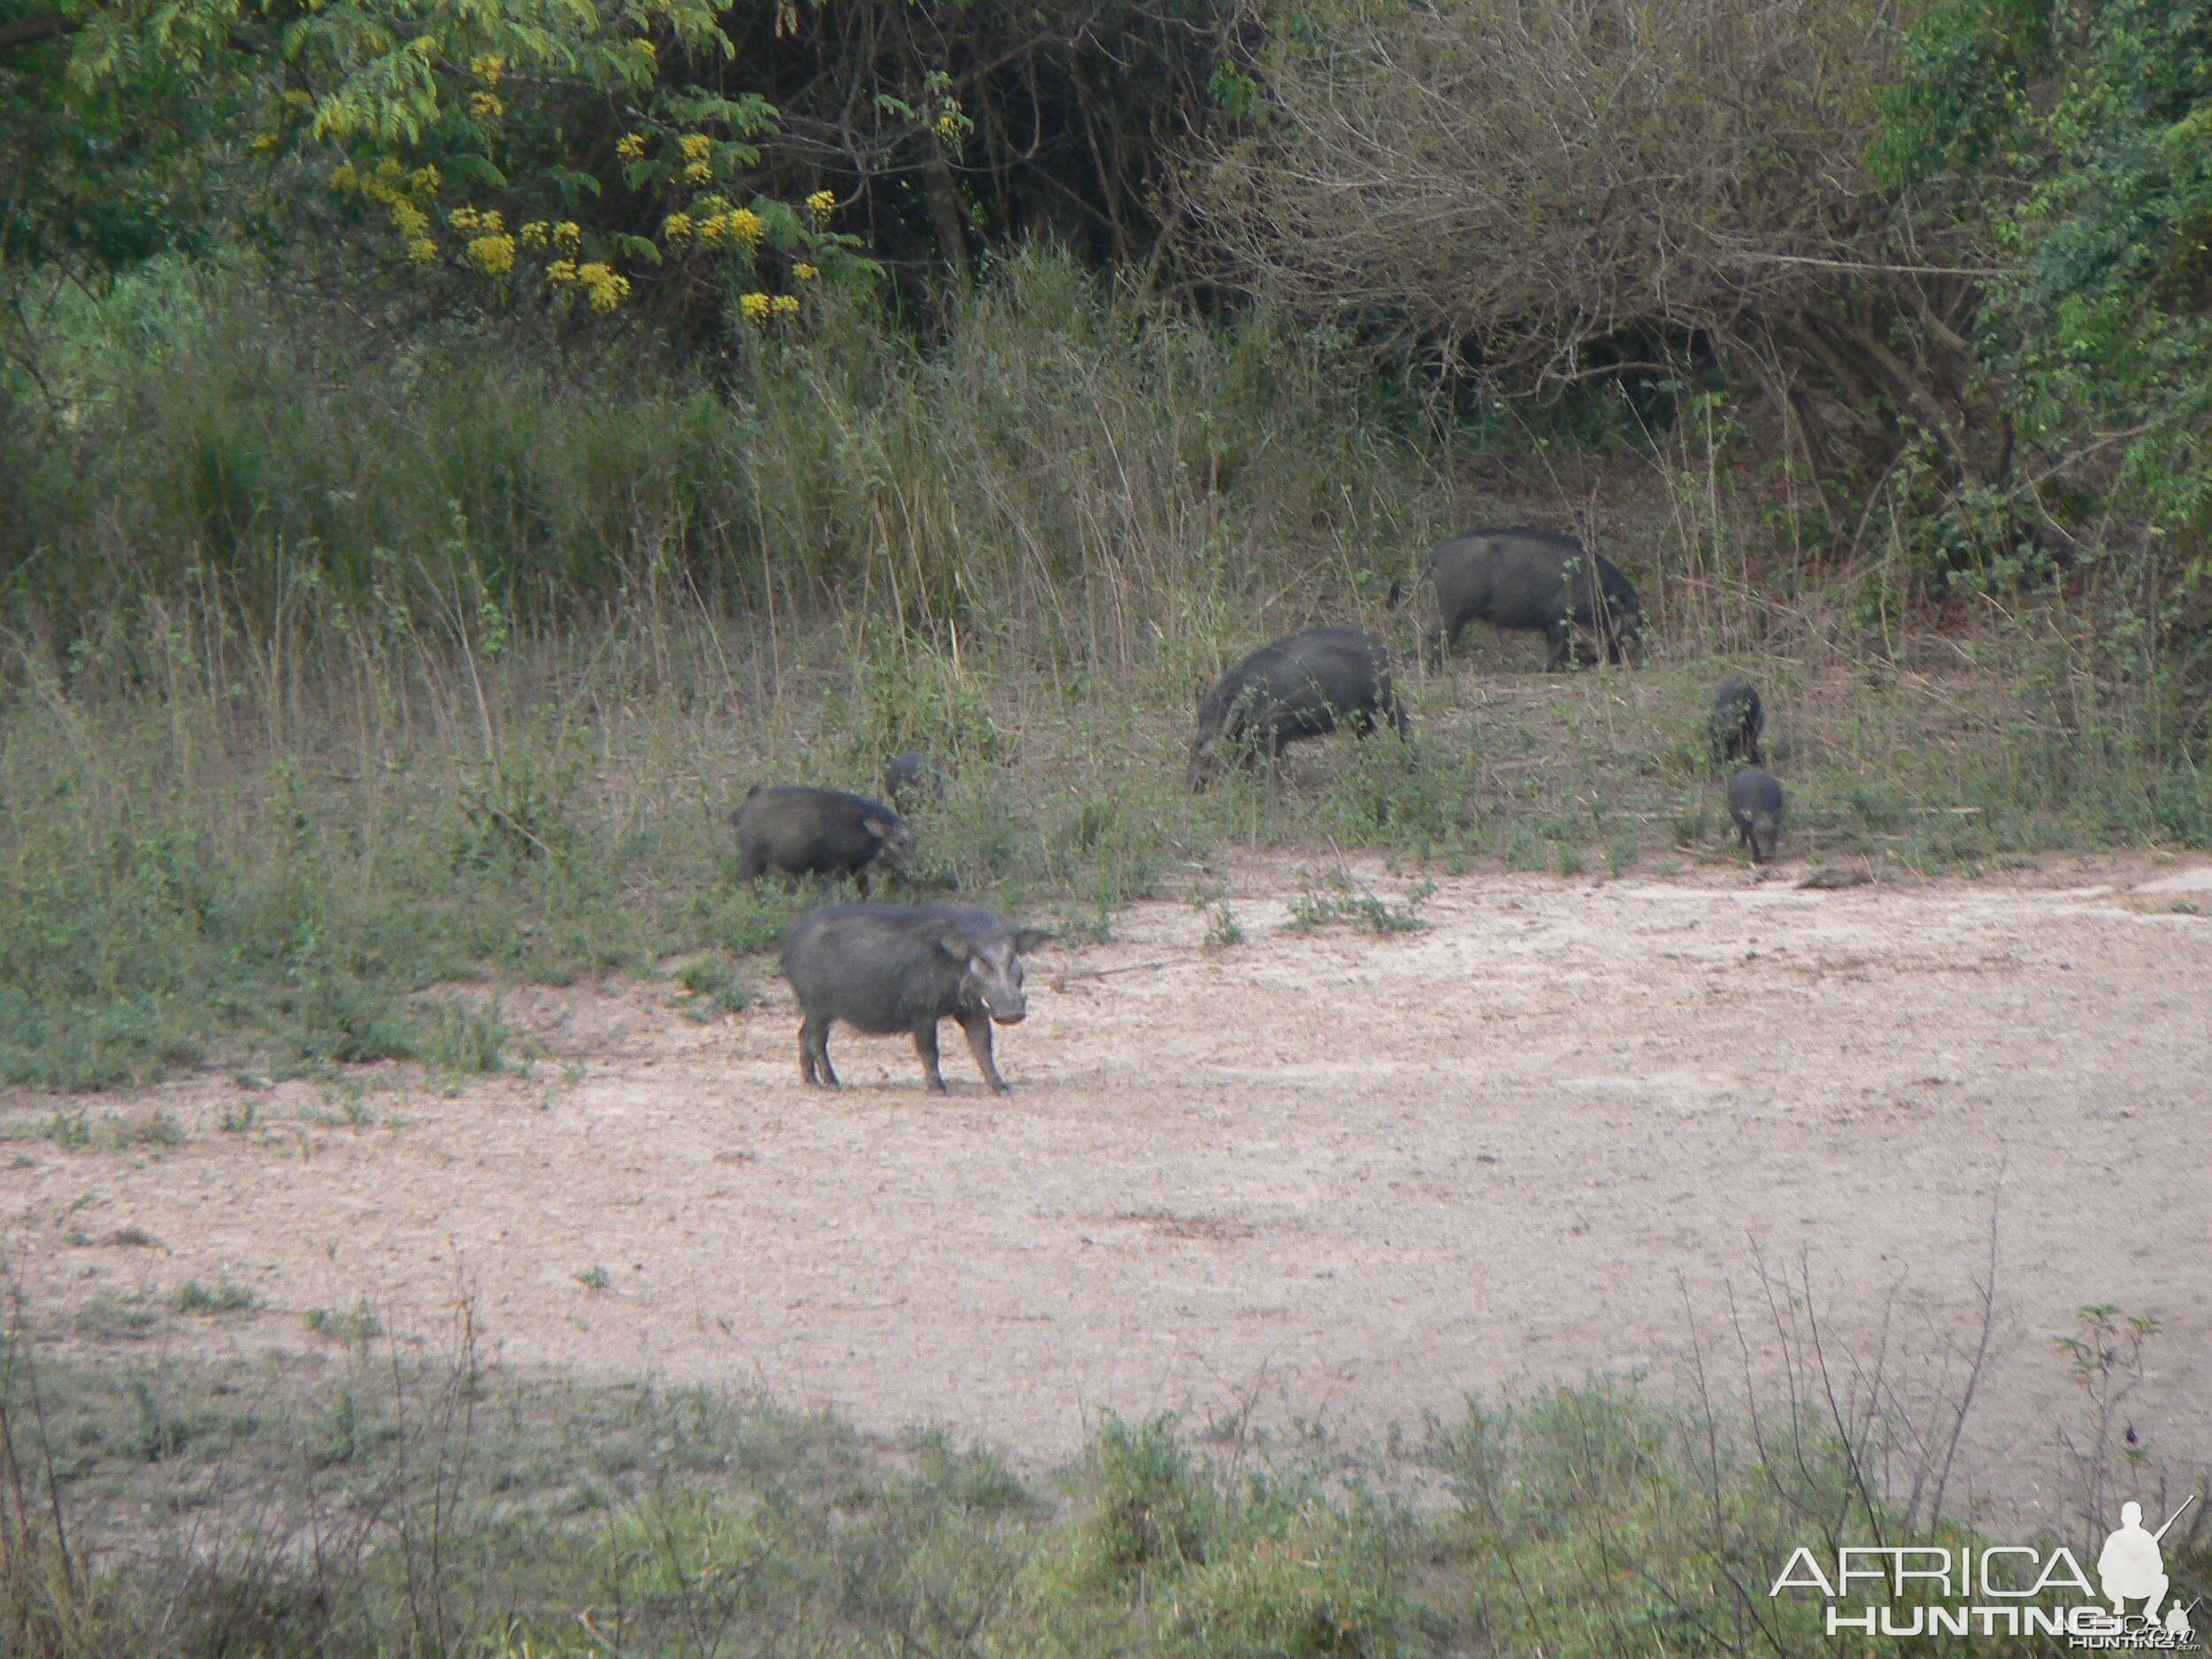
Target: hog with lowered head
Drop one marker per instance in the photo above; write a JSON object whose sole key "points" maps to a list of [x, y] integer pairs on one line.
{"points": [[886, 968], [807, 832], [1736, 722], [1534, 579], [913, 779], [1754, 802], [1303, 685]]}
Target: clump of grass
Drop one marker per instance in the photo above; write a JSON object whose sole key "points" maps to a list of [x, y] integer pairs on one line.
{"points": [[594, 1277], [223, 1296], [713, 990], [345, 1107], [1524, 848], [1222, 926], [68, 1129], [969, 1477], [109, 1314], [156, 1129], [361, 1326], [352, 1432], [1344, 900]]}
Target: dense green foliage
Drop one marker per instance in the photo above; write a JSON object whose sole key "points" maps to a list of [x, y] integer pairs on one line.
{"points": [[2073, 142]]}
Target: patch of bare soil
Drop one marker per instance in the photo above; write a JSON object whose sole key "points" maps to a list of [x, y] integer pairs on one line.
{"points": [[1346, 1176]]}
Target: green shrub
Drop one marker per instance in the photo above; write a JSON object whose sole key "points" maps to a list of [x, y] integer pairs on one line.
{"points": [[1151, 1507]]}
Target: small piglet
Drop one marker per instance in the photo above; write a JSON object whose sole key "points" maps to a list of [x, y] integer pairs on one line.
{"points": [[1736, 722], [886, 968]]}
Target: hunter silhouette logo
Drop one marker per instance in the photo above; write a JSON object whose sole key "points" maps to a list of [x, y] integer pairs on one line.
{"points": [[2130, 1568], [2004, 1590]]}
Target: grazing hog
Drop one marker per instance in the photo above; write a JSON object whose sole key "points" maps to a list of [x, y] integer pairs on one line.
{"points": [[1536, 580], [1736, 722], [805, 832], [913, 779], [1754, 802], [886, 968], [1303, 685]]}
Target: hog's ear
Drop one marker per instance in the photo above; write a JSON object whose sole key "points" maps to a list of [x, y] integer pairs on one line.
{"points": [[877, 827], [956, 945], [1027, 939]]}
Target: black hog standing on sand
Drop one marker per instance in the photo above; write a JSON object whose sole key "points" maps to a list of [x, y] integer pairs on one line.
{"points": [[886, 968], [806, 832], [1535, 579], [1736, 722], [1754, 802], [1303, 685]]}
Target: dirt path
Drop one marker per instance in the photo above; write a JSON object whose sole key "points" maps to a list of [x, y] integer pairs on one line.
{"points": [[1345, 1176]]}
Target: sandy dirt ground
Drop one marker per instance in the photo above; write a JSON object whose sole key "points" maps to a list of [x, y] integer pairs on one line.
{"points": [[1328, 1175]]}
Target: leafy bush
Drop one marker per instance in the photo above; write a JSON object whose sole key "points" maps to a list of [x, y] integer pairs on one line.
{"points": [[1153, 1508]]}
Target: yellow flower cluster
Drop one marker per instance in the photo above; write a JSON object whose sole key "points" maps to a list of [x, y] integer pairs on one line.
{"points": [[534, 233], [821, 205], [487, 69], [567, 233], [409, 220], [485, 106], [606, 286], [761, 309], [470, 220], [649, 51], [739, 225], [494, 255], [298, 99], [805, 272], [699, 173], [265, 141], [696, 146], [387, 187], [676, 227], [603, 286], [631, 147]]}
